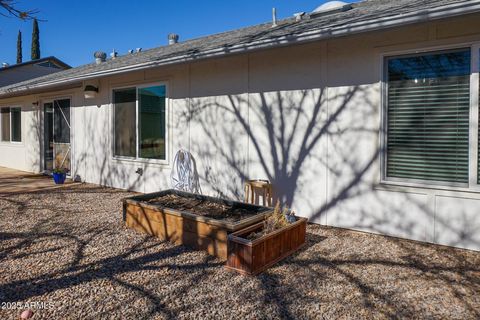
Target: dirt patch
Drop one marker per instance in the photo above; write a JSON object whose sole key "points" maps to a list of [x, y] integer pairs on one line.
{"points": [[204, 208]]}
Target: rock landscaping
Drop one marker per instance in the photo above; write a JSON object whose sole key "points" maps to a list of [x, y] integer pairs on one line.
{"points": [[68, 255]]}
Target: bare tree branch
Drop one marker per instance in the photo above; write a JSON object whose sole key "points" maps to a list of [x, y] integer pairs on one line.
{"points": [[11, 10]]}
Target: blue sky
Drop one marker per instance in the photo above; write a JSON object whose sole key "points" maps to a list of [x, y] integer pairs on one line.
{"points": [[73, 30]]}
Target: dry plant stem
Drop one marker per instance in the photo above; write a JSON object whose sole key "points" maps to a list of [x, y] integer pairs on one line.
{"points": [[274, 222]]}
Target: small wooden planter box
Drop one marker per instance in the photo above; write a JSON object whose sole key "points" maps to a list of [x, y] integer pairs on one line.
{"points": [[182, 227], [252, 257]]}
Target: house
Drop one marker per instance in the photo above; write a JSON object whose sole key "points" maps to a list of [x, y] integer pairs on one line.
{"points": [[10, 74], [363, 116]]}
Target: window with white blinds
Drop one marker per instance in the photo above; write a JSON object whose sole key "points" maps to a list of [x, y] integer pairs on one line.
{"points": [[428, 103]]}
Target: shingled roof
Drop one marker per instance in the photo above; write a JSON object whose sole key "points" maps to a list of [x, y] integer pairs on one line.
{"points": [[364, 16], [52, 59]]}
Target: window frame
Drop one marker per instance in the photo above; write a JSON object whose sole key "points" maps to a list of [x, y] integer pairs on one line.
{"points": [[472, 184], [11, 126], [474, 109], [138, 159]]}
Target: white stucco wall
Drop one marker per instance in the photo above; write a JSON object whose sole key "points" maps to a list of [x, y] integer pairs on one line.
{"points": [[306, 117], [23, 155]]}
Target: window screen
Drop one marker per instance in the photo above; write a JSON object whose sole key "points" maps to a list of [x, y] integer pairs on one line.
{"points": [[125, 122], [152, 122], [5, 125], [61, 119], [16, 115]]}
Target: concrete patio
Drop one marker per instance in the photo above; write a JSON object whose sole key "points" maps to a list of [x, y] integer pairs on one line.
{"points": [[15, 181]]}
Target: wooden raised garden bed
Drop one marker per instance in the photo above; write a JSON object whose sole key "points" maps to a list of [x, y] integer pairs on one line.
{"points": [[254, 256], [198, 221]]}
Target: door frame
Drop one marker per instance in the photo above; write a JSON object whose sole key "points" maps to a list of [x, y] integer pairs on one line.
{"points": [[42, 111], [43, 134]]}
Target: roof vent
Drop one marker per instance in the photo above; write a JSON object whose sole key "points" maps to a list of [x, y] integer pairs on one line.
{"points": [[172, 38], [299, 16], [100, 57], [331, 7]]}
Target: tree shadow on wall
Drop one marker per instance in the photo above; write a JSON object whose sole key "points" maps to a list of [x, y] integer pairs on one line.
{"points": [[320, 148], [280, 136]]}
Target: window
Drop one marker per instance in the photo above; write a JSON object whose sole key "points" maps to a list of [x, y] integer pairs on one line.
{"points": [[152, 122], [144, 137], [125, 119], [16, 115], [11, 124], [48, 64], [5, 113], [428, 106]]}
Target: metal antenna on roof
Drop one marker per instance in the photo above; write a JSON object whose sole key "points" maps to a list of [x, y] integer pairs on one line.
{"points": [[114, 54], [274, 17]]}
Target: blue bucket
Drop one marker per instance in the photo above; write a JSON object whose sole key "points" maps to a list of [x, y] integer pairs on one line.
{"points": [[59, 178]]}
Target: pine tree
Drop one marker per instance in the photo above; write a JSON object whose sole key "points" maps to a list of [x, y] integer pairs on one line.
{"points": [[35, 41], [19, 47]]}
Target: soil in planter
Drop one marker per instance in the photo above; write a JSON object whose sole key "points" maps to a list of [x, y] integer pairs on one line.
{"points": [[263, 232], [255, 235], [204, 208]]}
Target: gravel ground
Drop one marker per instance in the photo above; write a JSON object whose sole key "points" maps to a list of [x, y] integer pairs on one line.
{"points": [[67, 253]]}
